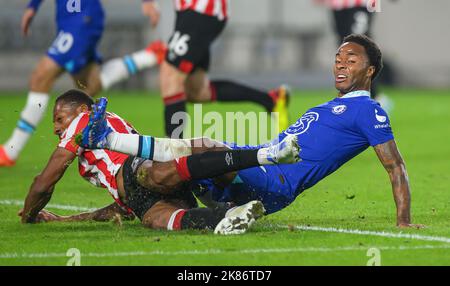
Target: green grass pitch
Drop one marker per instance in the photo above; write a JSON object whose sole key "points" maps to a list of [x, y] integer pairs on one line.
{"points": [[356, 198]]}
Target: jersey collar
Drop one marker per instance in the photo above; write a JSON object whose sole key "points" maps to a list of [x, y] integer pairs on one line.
{"points": [[356, 93]]}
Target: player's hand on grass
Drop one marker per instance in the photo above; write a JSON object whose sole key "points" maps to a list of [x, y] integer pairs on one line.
{"points": [[47, 216], [410, 225], [27, 18], [43, 216], [151, 10]]}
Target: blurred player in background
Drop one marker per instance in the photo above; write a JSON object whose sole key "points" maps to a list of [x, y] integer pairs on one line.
{"points": [[80, 25], [356, 17], [184, 73]]}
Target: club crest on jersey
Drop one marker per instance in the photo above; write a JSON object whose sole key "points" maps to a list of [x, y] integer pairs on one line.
{"points": [[380, 118], [302, 125], [339, 109]]}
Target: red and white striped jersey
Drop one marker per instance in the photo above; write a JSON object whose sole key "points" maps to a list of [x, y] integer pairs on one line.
{"points": [[215, 8], [345, 4], [99, 167]]}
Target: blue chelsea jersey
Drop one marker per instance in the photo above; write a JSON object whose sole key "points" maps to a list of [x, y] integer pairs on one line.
{"points": [[329, 136], [73, 13], [333, 133]]}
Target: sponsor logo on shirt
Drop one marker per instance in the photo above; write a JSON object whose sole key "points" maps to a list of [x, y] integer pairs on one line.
{"points": [[380, 118], [378, 126]]}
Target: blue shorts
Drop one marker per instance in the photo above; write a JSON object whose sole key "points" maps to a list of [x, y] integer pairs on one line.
{"points": [[73, 49], [266, 184]]}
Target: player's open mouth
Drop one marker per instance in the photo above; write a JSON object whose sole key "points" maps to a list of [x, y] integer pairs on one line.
{"points": [[340, 78]]}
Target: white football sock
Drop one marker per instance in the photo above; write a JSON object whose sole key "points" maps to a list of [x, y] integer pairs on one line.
{"points": [[144, 59], [112, 72], [167, 149], [124, 143], [120, 69], [164, 149], [30, 117]]}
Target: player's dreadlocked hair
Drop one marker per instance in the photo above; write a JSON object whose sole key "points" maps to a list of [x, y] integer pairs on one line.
{"points": [[75, 98], [372, 50]]}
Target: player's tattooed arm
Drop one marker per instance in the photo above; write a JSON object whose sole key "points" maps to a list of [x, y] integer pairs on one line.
{"points": [[43, 185], [112, 211], [108, 213], [392, 161]]}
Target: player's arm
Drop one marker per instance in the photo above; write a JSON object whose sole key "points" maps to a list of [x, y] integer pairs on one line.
{"points": [[104, 214], [43, 185], [28, 15], [150, 9], [392, 161]]}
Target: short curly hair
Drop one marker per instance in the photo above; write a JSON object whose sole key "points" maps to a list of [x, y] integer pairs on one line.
{"points": [[372, 50], [75, 98]]}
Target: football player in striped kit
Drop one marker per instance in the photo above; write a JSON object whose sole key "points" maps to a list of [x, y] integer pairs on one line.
{"points": [[184, 73], [80, 25], [351, 16], [356, 17], [156, 192]]}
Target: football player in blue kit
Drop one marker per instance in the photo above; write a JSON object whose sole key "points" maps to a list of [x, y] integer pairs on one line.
{"points": [[329, 135], [80, 25]]}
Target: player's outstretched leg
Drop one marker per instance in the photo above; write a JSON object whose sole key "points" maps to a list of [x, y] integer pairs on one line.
{"points": [[94, 135], [119, 69], [274, 101], [239, 219], [211, 164]]}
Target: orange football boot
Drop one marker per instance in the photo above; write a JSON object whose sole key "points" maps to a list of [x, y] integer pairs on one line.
{"points": [[5, 161]]}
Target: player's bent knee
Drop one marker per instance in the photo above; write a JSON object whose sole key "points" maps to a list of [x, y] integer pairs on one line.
{"points": [[39, 80], [155, 175], [193, 93], [143, 176], [171, 80], [162, 174], [44, 75]]}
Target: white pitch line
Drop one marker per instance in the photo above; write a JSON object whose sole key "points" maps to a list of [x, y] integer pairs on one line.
{"points": [[220, 251], [374, 233], [52, 206], [299, 227]]}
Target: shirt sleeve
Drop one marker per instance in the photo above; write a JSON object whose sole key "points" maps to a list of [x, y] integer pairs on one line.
{"points": [[374, 124], [34, 4], [67, 140]]}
